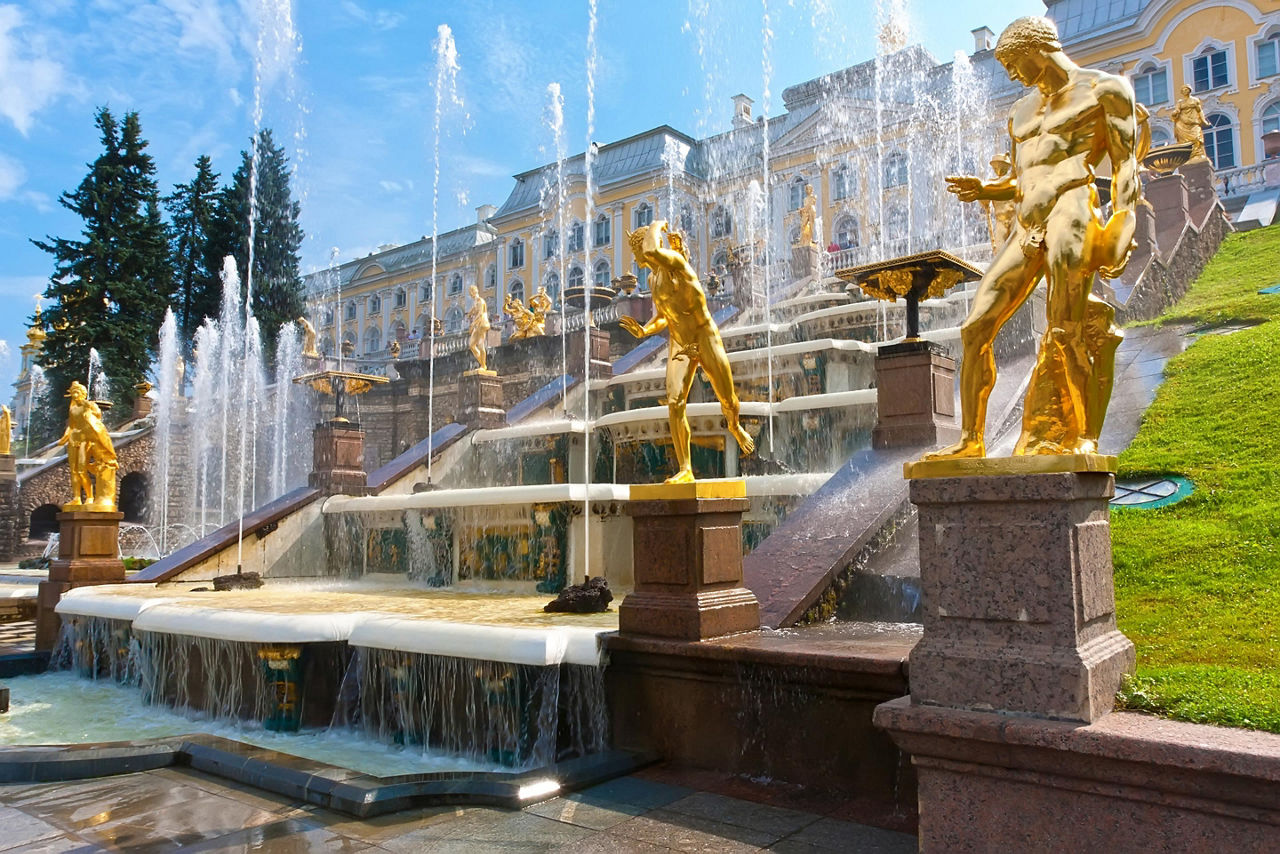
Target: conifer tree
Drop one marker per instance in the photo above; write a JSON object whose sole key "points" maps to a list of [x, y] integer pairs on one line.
{"points": [[109, 288], [197, 286]]}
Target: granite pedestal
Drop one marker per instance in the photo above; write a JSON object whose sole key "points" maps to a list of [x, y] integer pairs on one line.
{"points": [[804, 260], [88, 554], [337, 461], [915, 396], [480, 400], [687, 560], [601, 361]]}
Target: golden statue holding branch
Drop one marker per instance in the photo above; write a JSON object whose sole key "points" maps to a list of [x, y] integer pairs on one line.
{"points": [[91, 457], [1060, 132], [680, 307]]}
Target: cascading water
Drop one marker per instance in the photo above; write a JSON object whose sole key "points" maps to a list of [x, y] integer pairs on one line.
{"points": [[555, 123], [96, 382], [589, 280], [167, 401]]}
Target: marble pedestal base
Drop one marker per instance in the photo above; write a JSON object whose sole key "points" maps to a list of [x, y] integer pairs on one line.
{"points": [[915, 396], [480, 403], [1019, 612], [687, 560], [88, 554], [804, 260], [337, 461]]}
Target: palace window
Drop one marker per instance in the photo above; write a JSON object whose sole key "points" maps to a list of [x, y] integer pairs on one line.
{"points": [[601, 236], [895, 169], [453, 320], [847, 232], [1271, 118], [490, 277], [516, 254], [455, 284], [550, 244], [351, 311], [686, 221], [402, 299], [576, 238], [1268, 54], [840, 183], [796, 197], [516, 290], [373, 340], [575, 277], [1159, 137], [1209, 70], [552, 284], [601, 279], [1219, 142], [721, 222], [375, 304], [328, 317], [642, 277], [1151, 85], [643, 214], [425, 293]]}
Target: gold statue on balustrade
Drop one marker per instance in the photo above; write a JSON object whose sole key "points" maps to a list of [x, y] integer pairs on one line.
{"points": [[477, 340], [309, 350], [91, 458], [539, 304], [1189, 123], [1060, 132], [680, 307], [808, 218]]}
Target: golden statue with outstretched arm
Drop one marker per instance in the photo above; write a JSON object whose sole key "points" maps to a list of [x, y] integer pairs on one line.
{"points": [[478, 315], [91, 457], [1060, 132], [309, 350], [680, 308]]}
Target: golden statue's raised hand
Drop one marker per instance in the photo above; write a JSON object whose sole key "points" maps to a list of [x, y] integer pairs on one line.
{"points": [[967, 187], [632, 325]]}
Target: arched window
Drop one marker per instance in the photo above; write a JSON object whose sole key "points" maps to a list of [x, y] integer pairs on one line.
{"points": [[516, 254], [372, 340], [840, 182], [351, 310], [1159, 137], [686, 221], [720, 263], [1209, 70], [402, 299], [375, 304], [576, 238], [328, 317], [602, 235], [642, 215], [1151, 84], [455, 284], [847, 232], [601, 278], [1219, 141], [896, 232], [399, 331], [425, 291], [575, 277], [453, 320], [1267, 52], [895, 169], [552, 284], [1271, 118], [721, 222], [516, 290], [796, 197], [550, 243], [642, 277], [490, 277], [326, 346]]}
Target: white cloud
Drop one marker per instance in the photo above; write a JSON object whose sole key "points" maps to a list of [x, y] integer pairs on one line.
{"points": [[391, 186], [30, 79], [12, 177], [379, 20], [203, 29]]}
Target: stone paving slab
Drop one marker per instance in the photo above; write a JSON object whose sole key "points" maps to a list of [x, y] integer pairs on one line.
{"points": [[178, 809]]}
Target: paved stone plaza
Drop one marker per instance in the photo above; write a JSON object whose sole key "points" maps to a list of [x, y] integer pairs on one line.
{"points": [[175, 809]]}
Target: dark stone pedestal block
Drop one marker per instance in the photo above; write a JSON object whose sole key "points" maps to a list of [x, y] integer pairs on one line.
{"points": [[915, 396], [1019, 612], [337, 461], [1169, 200], [601, 363], [687, 558], [88, 554], [480, 402], [804, 260]]}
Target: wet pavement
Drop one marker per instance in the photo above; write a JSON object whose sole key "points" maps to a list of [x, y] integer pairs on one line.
{"points": [[178, 809]]}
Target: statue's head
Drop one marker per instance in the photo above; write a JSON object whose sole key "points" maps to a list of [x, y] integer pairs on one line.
{"points": [[1024, 43], [1185, 90], [635, 239], [1000, 164], [475, 292], [77, 391]]}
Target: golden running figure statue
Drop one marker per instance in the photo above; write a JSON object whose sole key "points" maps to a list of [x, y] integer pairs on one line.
{"points": [[90, 454], [6, 430], [540, 303], [808, 217], [309, 350], [681, 308], [520, 316], [479, 317], [1060, 132], [1189, 123]]}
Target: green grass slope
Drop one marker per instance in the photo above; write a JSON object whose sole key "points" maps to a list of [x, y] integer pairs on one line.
{"points": [[1198, 583]]}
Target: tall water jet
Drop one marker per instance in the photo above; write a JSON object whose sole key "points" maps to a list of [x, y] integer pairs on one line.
{"points": [[766, 74], [555, 121], [164, 411]]}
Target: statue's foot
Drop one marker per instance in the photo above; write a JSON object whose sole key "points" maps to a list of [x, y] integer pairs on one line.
{"points": [[745, 442], [682, 476], [962, 450], [1034, 447]]}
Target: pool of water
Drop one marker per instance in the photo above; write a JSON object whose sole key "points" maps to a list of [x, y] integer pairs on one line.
{"points": [[62, 708]]}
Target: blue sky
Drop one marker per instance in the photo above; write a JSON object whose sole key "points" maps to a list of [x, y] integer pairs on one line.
{"points": [[348, 88]]}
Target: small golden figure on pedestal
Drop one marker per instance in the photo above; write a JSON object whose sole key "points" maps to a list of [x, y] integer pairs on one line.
{"points": [[808, 217], [6, 430], [1189, 123], [91, 457], [309, 350], [1060, 133], [681, 309], [477, 341]]}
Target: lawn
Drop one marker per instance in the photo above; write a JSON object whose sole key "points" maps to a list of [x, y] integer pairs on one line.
{"points": [[1198, 583]]}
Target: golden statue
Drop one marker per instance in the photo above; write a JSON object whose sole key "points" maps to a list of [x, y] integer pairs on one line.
{"points": [[6, 430], [522, 318], [309, 350], [1189, 123], [1060, 132], [479, 317], [808, 217], [1000, 214], [91, 457], [394, 347], [539, 304], [681, 308]]}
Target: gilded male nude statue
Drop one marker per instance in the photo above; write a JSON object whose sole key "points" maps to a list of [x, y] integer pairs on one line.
{"points": [[1060, 132], [477, 341], [680, 307]]}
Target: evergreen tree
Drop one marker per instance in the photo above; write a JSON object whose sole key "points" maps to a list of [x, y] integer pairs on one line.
{"points": [[197, 286], [277, 236], [109, 289]]}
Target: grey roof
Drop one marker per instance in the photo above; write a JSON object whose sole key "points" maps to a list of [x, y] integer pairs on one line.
{"points": [[410, 255], [1080, 19]]}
